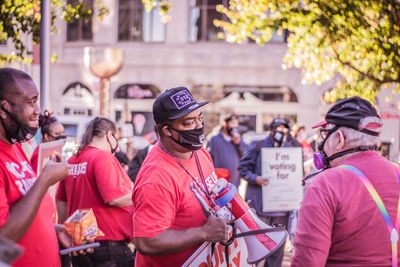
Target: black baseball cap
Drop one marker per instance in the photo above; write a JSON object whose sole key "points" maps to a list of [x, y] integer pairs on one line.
{"points": [[348, 112], [174, 103], [279, 121]]}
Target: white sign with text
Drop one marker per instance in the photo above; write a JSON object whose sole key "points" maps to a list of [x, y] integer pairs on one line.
{"points": [[283, 166]]}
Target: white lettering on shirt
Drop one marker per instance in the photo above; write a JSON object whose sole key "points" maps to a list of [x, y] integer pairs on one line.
{"points": [[20, 171], [26, 177], [24, 185], [210, 181], [77, 169]]}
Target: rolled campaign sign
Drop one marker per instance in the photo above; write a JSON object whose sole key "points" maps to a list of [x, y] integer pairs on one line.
{"points": [[261, 239]]}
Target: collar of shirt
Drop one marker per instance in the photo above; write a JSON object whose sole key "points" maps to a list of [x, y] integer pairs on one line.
{"points": [[227, 138]]}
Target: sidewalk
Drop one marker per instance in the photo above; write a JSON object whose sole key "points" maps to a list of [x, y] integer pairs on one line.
{"points": [[287, 256]]}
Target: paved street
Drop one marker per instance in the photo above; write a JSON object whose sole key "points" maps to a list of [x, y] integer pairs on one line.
{"points": [[288, 254]]}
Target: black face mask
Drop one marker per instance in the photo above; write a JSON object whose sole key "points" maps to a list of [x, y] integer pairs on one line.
{"points": [[190, 139], [59, 137], [278, 136], [229, 130], [232, 131], [322, 161], [113, 149], [18, 132]]}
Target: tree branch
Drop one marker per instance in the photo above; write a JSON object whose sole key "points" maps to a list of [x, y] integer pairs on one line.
{"points": [[372, 78]]}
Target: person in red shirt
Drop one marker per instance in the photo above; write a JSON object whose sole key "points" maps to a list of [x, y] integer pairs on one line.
{"points": [[51, 130], [25, 206], [96, 180], [340, 222], [168, 221]]}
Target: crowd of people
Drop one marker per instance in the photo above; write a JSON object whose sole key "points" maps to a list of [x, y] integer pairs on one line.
{"points": [[159, 208]]}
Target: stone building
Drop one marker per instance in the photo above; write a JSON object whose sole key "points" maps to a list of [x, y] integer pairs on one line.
{"points": [[246, 79]]}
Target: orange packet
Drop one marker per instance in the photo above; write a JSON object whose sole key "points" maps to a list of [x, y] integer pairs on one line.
{"points": [[81, 225]]}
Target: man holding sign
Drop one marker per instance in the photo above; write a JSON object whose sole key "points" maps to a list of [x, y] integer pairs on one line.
{"points": [[250, 168]]}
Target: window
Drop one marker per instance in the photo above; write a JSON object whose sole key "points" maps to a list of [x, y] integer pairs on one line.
{"points": [[135, 24], [118, 115], [202, 15], [78, 100], [265, 93], [80, 29]]}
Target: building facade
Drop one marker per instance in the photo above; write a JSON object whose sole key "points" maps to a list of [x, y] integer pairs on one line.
{"points": [[246, 79]]}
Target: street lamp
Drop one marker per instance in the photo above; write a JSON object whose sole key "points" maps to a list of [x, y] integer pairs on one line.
{"points": [[104, 63]]}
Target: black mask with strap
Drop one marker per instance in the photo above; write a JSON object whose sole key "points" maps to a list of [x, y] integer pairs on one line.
{"points": [[18, 132], [322, 161]]}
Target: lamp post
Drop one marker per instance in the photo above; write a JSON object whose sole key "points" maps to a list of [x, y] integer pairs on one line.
{"points": [[104, 63]]}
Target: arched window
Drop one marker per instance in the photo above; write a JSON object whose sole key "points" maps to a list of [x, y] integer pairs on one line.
{"points": [[78, 99]]}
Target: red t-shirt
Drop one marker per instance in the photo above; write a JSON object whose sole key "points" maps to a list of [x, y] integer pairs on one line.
{"points": [[96, 177], [163, 200], [339, 222], [16, 179], [35, 158]]}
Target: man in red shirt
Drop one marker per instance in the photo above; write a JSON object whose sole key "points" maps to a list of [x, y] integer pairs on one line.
{"points": [[168, 221], [26, 209], [340, 222]]}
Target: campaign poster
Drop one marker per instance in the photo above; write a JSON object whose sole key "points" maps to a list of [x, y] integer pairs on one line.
{"points": [[204, 258], [283, 166], [45, 151]]}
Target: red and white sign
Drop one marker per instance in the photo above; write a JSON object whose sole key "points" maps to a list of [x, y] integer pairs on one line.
{"points": [[388, 115], [204, 258]]}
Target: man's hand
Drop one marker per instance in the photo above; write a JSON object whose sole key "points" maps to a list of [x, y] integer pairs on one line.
{"points": [[55, 170], [66, 240], [261, 181], [215, 229]]}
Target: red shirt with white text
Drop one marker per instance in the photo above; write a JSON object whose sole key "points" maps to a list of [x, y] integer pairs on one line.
{"points": [[96, 177], [163, 200], [16, 179]]}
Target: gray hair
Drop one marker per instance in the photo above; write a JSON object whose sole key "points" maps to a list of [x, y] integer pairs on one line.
{"points": [[356, 138]]}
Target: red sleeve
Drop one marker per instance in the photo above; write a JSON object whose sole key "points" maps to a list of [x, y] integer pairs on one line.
{"points": [[60, 195], [34, 159], [4, 207], [155, 210], [313, 233], [112, 181]]}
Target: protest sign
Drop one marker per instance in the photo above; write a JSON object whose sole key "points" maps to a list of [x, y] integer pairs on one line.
{"points": [[204, 258], [283, 166], [45, 151]]}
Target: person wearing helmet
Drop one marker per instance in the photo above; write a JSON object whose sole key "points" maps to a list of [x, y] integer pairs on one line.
{"points": [[250, 170], [349, 215]]}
